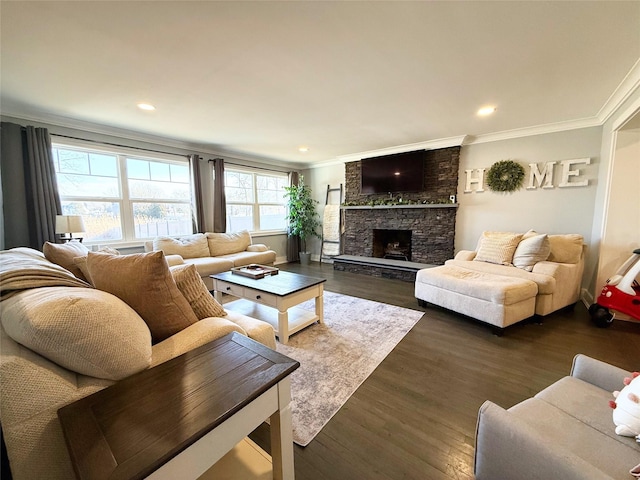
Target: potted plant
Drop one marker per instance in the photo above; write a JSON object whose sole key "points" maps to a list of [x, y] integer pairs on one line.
{"points": [[303, 217]]}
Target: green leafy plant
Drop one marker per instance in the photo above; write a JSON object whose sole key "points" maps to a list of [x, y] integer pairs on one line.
{"points": [[505, 176], [303, 217]]}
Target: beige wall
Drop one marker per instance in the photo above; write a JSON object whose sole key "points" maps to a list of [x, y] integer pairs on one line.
{"points": [[556, 210]]}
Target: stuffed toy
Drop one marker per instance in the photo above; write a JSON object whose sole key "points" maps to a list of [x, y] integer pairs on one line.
{"points": [[626, 408]]}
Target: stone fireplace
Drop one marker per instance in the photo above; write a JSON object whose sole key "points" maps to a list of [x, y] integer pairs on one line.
{"points": [[431, 228], [418, 227]]}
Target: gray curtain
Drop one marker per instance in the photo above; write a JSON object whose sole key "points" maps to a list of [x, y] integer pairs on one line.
{"points": [[219, 198], [293, 241], [197, 202], [30, 199]]}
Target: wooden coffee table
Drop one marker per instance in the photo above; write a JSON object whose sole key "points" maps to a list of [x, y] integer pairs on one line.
{"points": [[264, 297]]}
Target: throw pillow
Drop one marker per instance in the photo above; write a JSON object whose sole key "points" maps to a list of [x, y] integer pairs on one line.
{"points": [[497, 247], [63, 254], [82, 329], [191, 246], [81, 262], [565, 248], [143, 281], [190, 284], [226, 243], [530, 251]]}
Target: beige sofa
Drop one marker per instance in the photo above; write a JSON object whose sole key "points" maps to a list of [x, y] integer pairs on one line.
{"points": [[566, 431], [508, 278], [61, 340], [212, 252]]}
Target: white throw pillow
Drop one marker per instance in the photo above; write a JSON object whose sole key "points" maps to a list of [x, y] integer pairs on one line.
{"points": [[530, 251], [82, 329], [191, 246], [497, 247]]}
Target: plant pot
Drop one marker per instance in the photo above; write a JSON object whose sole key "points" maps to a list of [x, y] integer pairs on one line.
{"points": [[305, 258]]}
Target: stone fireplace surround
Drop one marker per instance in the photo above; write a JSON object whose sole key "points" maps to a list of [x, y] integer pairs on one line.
{"points": [[432, 224]]}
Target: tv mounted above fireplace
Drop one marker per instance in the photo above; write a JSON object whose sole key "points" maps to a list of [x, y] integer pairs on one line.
{"points": [[399, 172]]}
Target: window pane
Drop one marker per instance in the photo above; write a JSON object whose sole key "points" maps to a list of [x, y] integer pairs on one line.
{"points": [[71, 185], [154, 219], [272, 217], [137, 169], [71, 161], [238, 187], [139, 189], [271, 189], [102, 219], [239, 217], [160, 171], [180, 173], [103, 165]]}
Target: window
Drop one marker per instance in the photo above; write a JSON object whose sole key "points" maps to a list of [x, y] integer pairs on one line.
{"points": [[123, 197], [255, 201]]}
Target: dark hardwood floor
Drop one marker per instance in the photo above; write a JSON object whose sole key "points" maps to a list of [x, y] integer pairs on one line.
{"points": [[415, 416]]}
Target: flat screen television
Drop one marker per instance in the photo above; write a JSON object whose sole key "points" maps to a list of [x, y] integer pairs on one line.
{"points": [[399, 172]]}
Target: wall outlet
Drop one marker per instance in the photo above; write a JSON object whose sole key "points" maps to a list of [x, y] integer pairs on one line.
{"points": [[452, 198]]}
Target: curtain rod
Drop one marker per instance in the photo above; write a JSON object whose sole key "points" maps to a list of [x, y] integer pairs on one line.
{"points": [[118, 145], [247, 166]]}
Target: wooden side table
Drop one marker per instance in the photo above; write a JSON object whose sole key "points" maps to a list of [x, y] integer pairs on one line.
{"points": [[180, 417]]}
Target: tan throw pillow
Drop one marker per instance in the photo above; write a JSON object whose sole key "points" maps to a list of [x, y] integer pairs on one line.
{"points": [[143, 281], [497, 247], [63, 254], [82, 329], [190, 283], [530, 251], [566, 248], [226, 243], [81, 262], [191, 246]]}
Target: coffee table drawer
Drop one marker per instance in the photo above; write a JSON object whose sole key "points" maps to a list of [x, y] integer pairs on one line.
{"points": [[260, 297], [230, 288]]}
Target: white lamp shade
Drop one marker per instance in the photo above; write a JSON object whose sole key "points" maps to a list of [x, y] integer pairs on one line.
{"points": [[70, 224]]}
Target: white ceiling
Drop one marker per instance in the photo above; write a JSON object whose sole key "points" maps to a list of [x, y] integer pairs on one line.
{"points": [[263, 78]]}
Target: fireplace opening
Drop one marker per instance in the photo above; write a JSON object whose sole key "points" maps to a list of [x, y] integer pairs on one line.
{"points": [[392, 244]]}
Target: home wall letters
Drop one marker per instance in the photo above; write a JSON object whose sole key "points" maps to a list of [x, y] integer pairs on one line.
{"points": [[542, 178]]}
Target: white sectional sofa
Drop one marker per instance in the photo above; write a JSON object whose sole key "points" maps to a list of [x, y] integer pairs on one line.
{"points": [[212, 252], [61, 340], [508, 278]]}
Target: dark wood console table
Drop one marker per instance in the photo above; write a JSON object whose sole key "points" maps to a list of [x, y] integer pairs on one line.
{"points": [[177, 419]]}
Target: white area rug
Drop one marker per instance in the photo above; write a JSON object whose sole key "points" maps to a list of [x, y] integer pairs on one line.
{"points": [[336, 357]]}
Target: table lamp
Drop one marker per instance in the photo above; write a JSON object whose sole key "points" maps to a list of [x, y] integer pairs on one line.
{"points": [[68, 225]]}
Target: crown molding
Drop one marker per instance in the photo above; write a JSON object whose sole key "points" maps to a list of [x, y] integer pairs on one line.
{"points": [[52, 121], [428, 145], [629, 84], [530, 131]]}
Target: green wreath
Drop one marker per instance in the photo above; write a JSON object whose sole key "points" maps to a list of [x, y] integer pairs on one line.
{"points": [[505, 176]]}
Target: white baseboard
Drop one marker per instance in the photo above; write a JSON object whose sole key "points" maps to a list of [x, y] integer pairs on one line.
{"points": [[280, 260]]}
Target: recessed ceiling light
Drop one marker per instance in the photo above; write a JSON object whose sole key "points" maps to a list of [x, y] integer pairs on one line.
{"points": [[484, 111], [303, 149], [146, 106]]}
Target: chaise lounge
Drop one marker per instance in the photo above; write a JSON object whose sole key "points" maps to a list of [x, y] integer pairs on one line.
{"points": [[509, 278]]}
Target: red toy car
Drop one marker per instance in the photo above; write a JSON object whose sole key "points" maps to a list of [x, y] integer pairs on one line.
{"points": [[621, 294]]}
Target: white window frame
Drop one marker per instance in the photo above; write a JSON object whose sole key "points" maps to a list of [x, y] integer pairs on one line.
{"points": [[255, 230], [126, 203]]}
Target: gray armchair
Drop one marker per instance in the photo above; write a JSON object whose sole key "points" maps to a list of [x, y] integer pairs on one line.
{"points": [[566, 431]]}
